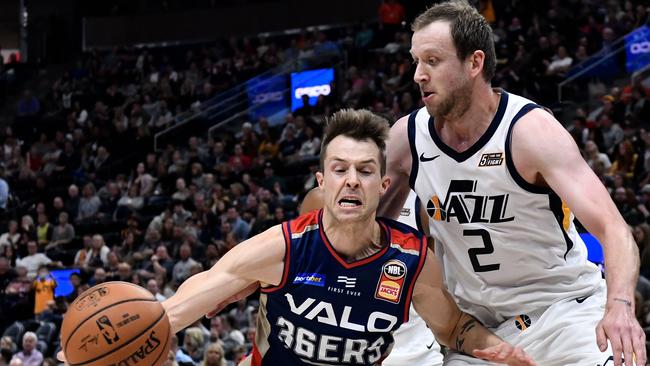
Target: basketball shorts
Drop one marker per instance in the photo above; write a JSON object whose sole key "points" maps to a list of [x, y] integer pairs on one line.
{"points": [[414, 345], [563, 334]]}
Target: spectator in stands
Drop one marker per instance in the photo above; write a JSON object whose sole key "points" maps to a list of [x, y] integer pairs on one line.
{"points": [[4, 190], [89, 203], [43, 230], [7, 274], [99, 276], [239, 227], [44, 286], [29, 355], [29, 105], [33, 260], [6, 343], [182, 268], [11, 237], [72, 202], [193, 344], [595, 158], [626, 162], [98, 255], [62, 235], [152, 286], [143, 180], [214, 356]]}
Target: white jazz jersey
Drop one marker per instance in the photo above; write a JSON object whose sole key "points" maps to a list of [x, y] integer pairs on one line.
{"points": [[415, 344], [509, 247]]}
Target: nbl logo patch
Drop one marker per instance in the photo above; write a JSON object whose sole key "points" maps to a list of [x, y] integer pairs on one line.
{"points": [[492, 159], [391, 281]]}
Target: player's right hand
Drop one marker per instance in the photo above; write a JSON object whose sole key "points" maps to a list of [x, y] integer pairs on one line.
{"points": [[505, 353]]}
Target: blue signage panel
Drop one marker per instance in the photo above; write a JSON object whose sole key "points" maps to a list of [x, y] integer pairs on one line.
{"points": [[312, 83]]}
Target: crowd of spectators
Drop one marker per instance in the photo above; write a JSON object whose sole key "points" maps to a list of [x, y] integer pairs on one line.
{"points": [[81, 186]]}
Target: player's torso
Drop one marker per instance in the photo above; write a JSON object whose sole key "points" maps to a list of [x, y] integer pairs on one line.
{"points": [[329, 312], [507, 246]]}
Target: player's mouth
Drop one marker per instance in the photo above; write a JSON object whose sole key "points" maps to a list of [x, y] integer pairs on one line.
{"points": [[426, 94], [349, 202]]}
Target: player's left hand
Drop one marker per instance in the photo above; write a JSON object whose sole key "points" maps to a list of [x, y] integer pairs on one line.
{"points": [[624, 332], [61, 357], [505, 353]]}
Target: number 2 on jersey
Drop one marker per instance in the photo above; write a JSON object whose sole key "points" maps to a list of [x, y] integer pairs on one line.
{"points": [[487, 248]]}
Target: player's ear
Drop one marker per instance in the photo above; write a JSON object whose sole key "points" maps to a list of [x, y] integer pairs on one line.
{"points": [[385, 183], [319, 179], [476, 60]]}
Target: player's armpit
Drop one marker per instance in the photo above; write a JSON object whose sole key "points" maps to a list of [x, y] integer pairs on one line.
{"points": [[398, 168], [259, 259]]}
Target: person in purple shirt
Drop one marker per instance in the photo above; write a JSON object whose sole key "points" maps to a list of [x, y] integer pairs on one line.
{"points": [[30, 356]]}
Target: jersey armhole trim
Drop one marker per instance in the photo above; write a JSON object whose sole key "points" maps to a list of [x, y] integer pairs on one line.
{"points": [[521, 182], [418, 219], [414, 153], [423, 257], [286, 233]]}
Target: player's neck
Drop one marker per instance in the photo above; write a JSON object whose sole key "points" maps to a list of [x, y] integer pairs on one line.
{"points": [[461, 130], [353, 241]]}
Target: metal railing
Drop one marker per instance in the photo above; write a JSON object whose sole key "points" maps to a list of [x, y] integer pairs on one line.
{"points": [[585, 67], [218, 101], [232, 104]]}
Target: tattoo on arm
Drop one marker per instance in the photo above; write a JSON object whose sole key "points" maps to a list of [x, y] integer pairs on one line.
{"points": [[460, 338]]}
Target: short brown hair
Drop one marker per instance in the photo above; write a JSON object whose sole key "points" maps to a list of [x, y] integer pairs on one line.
{"points": [[469, 31], [359, 125]]}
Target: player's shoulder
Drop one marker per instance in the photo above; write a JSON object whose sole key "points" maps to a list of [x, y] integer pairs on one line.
{"points": [[303, 223], [401, 233]]}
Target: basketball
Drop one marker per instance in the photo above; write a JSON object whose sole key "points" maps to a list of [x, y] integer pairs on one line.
{"points": [[115, 323]]}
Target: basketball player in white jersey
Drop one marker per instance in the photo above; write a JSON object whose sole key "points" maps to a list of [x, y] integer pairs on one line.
{"points": [[500, 179], [415, 344]]}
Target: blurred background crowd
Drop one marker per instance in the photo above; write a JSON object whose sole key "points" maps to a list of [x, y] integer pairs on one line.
{"points": [[107, 171]]}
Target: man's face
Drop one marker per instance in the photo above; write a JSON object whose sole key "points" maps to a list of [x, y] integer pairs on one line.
{"points": [[28, 344], [351, 181], [32, 248], [444, 80], [100, 274]]}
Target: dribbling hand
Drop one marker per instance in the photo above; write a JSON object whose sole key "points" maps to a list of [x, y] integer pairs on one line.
{"points": [[61, 357], [625, 335], [505, 353]]}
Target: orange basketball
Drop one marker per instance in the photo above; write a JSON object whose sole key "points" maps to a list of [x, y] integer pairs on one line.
{"points": [[115, 324]]}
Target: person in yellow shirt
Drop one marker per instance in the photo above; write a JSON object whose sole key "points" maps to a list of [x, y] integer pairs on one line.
{"points": [[44, 286]]}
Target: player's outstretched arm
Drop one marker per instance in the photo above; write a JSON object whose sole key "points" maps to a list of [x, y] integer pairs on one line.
{"points": [[542, 147], [398, 168], [454, 328], [258, 259]]}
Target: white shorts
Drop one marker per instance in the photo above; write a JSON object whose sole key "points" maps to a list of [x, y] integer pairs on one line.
{"points": [[414, 345], [564, 334]]}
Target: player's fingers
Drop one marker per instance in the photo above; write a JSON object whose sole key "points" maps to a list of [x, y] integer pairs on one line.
{"points": [[627, 350], [486, 354], [61, 357], [617, 348], [639, 348], [601, 337]]}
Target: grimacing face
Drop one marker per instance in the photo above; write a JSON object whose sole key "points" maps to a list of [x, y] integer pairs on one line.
{"points": [[351, 179]]}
